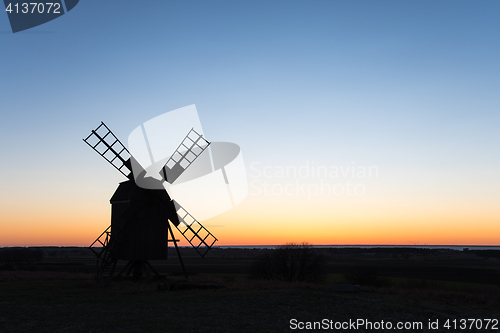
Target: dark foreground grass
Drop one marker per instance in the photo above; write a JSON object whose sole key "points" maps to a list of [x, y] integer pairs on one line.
{"points": [[57, 302]]}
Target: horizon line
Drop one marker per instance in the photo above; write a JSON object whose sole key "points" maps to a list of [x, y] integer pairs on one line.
{"points": [[270, 245]]}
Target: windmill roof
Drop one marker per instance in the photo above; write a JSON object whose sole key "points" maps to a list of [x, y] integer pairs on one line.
{"points": [[124, 192], [128, 190]]}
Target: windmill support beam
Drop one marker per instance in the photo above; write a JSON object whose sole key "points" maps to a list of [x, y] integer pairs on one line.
{"points": [[136, 268], [177, 249], [125, 269]]}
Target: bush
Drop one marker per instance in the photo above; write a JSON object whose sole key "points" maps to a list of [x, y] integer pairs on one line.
{"points": [[290, 262]]}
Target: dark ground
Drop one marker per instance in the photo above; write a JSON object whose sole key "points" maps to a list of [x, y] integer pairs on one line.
{"points": [[59, 293]]}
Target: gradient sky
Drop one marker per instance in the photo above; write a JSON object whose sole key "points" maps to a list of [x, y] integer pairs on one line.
{"points": [[407, 88]]}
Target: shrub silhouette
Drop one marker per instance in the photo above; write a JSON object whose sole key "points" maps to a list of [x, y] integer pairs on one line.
{"points": [[290, 262]]}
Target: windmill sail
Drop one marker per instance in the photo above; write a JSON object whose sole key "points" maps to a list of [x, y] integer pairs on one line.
{"points": [[190, 148], [196, 234], [106, 144]]}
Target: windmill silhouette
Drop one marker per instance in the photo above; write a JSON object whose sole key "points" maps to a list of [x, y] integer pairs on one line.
{"points": [[142, 219]]}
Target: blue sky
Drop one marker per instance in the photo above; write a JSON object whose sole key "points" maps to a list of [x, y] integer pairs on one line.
{"points": [[409, 86]]}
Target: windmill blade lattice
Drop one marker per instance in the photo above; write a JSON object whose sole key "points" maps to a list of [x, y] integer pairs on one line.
{"points": [[196, 234], [106, 144], [190, 148]]}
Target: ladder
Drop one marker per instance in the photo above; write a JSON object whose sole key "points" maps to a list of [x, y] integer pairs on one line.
{"points": [[106, 263], [106, 259]]}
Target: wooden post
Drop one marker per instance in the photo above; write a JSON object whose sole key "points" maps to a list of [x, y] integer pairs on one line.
{"points": [[177, 248]]}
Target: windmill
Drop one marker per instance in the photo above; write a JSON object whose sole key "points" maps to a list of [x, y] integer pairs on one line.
{"points": [[142, 219]]}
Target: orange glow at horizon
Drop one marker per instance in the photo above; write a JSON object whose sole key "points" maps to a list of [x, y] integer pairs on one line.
{"points": [[260, 221]]}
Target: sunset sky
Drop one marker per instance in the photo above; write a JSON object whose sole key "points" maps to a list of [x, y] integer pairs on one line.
{"points": [[360, 122]]}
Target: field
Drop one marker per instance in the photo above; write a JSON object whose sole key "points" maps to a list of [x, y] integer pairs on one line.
{"points": [[59, 294]]}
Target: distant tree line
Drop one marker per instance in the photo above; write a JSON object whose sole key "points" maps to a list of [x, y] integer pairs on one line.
{"points": [[384, 250]]}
